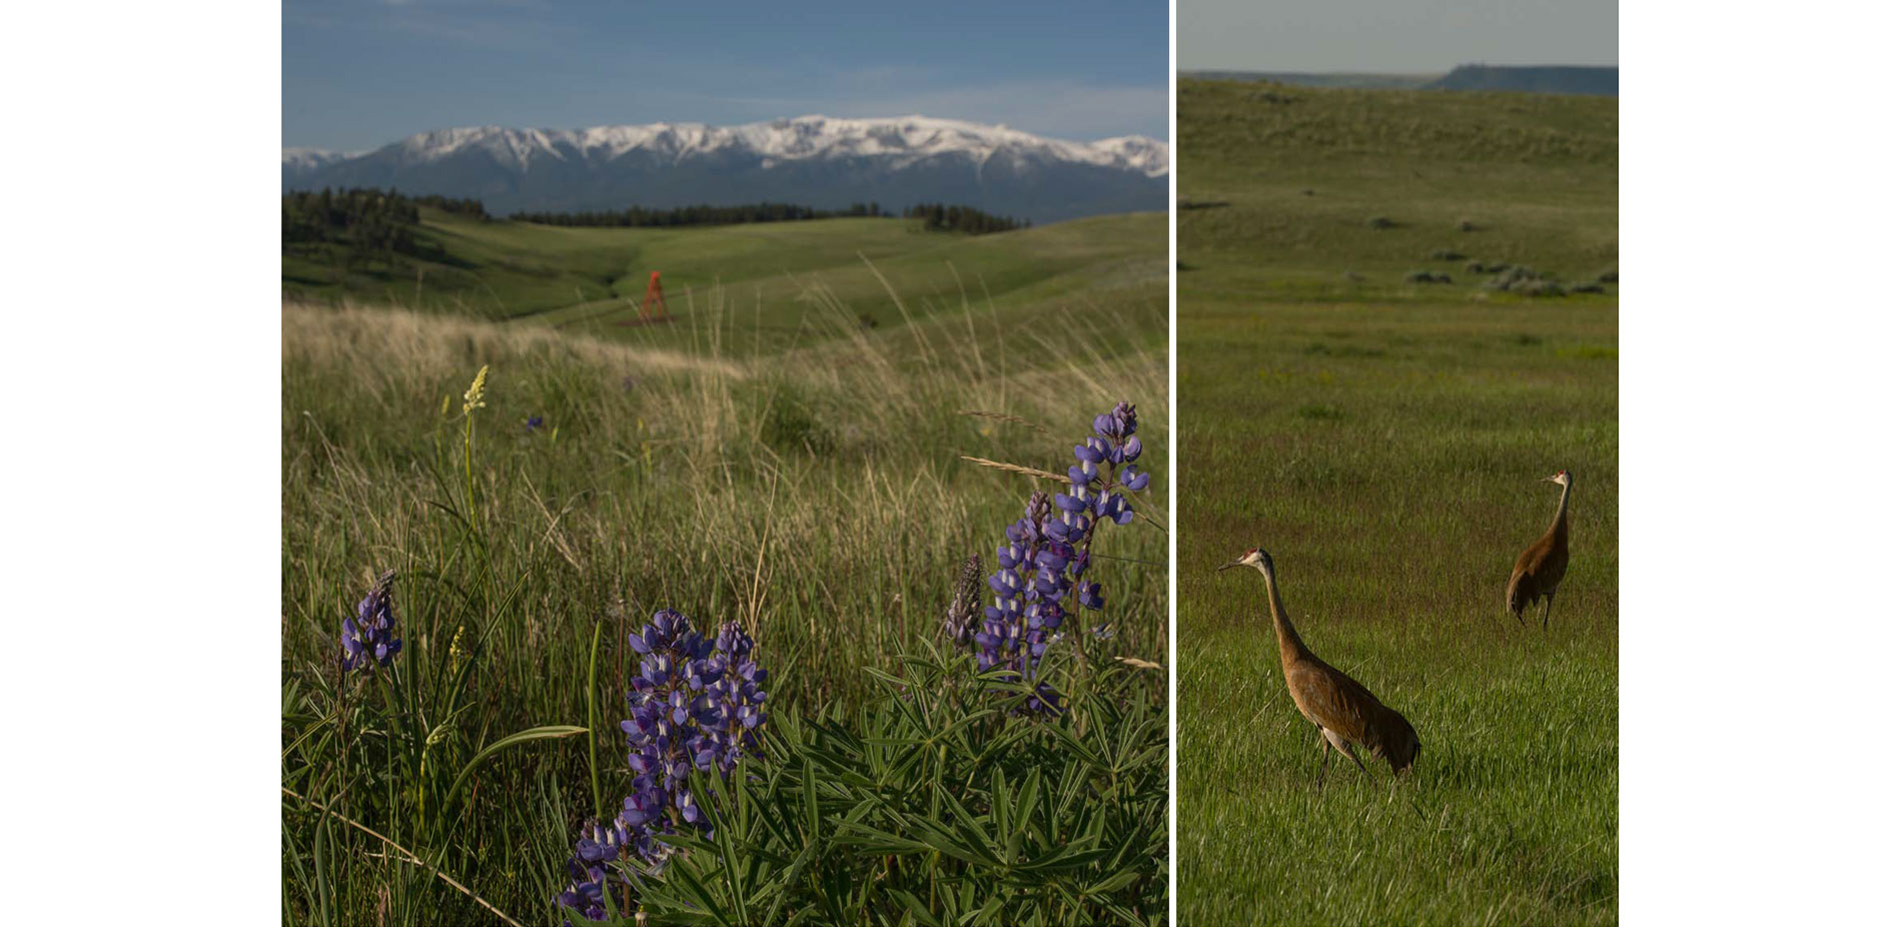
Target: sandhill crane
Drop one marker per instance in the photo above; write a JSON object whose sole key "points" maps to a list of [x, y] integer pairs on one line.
{"points": [[1541, 566], [1345, 713]]}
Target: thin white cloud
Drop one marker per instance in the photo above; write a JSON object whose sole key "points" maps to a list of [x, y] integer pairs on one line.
{"points": [[1058, 109]]}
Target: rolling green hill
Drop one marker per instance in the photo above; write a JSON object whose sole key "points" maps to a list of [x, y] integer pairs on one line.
{"points": [[593, 279], [1308, 193], [1547, 79], [1532, 79]]}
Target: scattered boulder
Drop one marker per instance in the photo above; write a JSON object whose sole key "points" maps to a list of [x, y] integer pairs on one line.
{"points": [[1524, 280]]}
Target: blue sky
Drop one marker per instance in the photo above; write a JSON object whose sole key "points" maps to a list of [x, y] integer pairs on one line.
{"points": [[362, 73]]}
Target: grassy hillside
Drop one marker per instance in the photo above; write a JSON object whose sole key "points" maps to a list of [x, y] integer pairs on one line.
{"points": [[594, 279], [1384, 442], [805, 483], [1290, 181]]}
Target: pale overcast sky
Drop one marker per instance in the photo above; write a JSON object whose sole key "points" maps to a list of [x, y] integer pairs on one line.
{"points": [[1391, 36]]}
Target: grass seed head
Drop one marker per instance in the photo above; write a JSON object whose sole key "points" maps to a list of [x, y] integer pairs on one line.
{"points": [[472, 399]]}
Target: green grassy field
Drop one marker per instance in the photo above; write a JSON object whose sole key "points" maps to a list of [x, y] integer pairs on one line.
{"points": [[1384, 442], [809, 487], [593, 280]]}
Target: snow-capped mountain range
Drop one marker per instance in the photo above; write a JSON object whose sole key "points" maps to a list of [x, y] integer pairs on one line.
{"points": [[305, 160], [812, 160]]}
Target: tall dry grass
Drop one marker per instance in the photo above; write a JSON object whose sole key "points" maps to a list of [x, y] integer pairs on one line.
{"points": [[819, 497]]}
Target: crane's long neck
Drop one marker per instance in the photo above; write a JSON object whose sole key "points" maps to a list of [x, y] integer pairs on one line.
{"points": [[1291, 647], [1560, 526]]}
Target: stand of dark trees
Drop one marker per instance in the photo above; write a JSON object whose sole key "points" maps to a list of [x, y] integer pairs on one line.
{"points": [[940, 218], [370, 224], [641, 217], [937, 217]]}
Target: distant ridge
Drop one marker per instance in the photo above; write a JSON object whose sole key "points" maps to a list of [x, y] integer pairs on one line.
{"points": [[1592, 81], [1346, 79]]}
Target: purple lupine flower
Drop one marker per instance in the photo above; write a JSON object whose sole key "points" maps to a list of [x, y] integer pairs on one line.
{"points": [[371, 633], [589, 870], [1107, 464], [695, 704], [738, 702], [1033, 580], [665, 705], [1047, 554], [534, 421]]}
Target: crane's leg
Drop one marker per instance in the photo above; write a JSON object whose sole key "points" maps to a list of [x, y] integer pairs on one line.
{"points": [[1325, 756], [1355, 758], [1547, 599], [1339, 743]]}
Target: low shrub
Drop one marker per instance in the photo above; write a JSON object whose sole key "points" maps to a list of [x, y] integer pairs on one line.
{"points": [[1527, 281]]}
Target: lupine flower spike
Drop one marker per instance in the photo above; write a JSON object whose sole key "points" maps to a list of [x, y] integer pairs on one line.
{"points": [[738, 704], [696, 704], [588, 868], [1046, 554], [667, 706], [371, 632], [966, 602]]}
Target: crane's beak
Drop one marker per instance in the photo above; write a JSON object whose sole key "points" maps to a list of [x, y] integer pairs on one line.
{"points": [[1229, 566]]}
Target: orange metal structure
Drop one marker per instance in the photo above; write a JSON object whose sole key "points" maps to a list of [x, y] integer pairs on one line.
{"points": [[654, 307]]}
